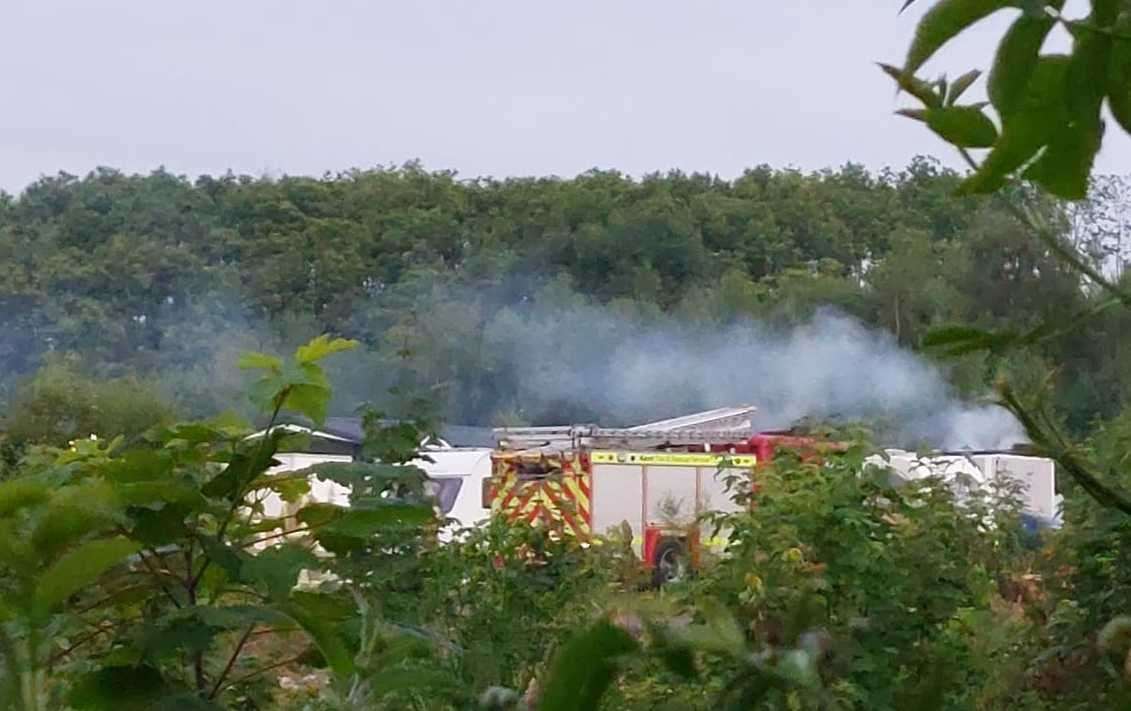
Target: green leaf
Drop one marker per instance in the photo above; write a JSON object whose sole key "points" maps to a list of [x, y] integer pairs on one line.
{"points": [[261, 361], [1028, 129], [157, 493], [321, 347], [956, 336], [1015, 61], [1115, 637], [1019, 141], [403, 643], [278, 388], [133, 688], [679, 660], [294, 441], [74, 512], [248, 464], [1119, 74], [672, 651], [325, 636], [929, 692], [358, 474], [229, 559], [944, 21], [367, 522], [193, 629], [185, 701], [161, 526], [963, 126], [289, 487], [328, 607], [277, 568], [720, 633], [584, 669], [1091, 56], [1104, 12], [220, 429], [265, 391], [17, 494], [918, 88], [178, 633], [309, 400], [1065, 167], [139, 465], [232, 617], [914, 114], [391, 680], [80, 568], [961, 84], [960, 340], [120, 688], [319, 513]]}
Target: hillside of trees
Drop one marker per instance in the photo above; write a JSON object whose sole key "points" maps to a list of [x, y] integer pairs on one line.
{"points": [[158, 281]]}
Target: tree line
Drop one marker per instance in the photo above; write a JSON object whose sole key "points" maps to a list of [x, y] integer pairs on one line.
{"points": [[160, 281]]}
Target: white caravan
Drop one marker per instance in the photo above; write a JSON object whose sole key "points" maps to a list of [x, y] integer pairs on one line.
{"points": [[456, 477], [967, 472]]}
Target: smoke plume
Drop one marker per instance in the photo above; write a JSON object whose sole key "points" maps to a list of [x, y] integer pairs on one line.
{"points": [[540, 353], [586, 359]]}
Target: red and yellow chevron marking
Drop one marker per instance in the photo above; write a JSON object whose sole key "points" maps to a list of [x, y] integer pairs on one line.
{"points": [[551, 490]]}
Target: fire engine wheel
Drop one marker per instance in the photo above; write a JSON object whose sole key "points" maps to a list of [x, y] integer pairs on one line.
{"points": [[670, 562]]}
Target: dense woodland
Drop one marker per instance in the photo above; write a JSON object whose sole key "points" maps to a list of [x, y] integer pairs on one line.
{"points": [[157, 282]]}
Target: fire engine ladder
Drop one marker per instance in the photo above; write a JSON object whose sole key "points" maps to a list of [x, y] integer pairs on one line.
{"points": [[593, 437], [721, 425], [633, 438], [741, 417]]}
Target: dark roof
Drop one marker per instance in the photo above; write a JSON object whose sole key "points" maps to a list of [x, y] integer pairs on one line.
{"points": [[455, 435]]}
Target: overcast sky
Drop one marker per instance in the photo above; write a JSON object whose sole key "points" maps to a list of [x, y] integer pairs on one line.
{"points": [[487, 87]]}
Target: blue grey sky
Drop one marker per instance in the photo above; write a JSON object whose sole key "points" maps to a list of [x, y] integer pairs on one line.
{"points": [[493, 87]]}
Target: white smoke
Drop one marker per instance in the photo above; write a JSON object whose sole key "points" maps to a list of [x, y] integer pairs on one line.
{"points": [[586, 358], [549, 355]]}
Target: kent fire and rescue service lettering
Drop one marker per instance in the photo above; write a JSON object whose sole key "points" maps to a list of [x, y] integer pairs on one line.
{"points": [[673, 459]]}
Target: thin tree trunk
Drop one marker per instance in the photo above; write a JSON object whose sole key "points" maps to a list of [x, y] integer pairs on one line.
{"points": [[898, 324]]}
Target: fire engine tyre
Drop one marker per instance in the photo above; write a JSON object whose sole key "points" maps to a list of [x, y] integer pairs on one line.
{"points": [[670, 563]]}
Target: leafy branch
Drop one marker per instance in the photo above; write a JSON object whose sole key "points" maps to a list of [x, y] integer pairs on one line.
{"points": [[1049, 130], [1044, 433]]}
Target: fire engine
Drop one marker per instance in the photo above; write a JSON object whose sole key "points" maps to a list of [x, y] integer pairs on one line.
{"points": [[658, 478]]}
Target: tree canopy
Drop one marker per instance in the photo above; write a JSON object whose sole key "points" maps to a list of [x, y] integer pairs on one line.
{"points": [[157, 276]]}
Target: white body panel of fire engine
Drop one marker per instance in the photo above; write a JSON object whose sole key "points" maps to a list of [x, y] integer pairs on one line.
{"points": [[664, 493]]}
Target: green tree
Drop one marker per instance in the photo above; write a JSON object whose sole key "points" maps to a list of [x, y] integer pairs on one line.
{"points": [[60, 404]]}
